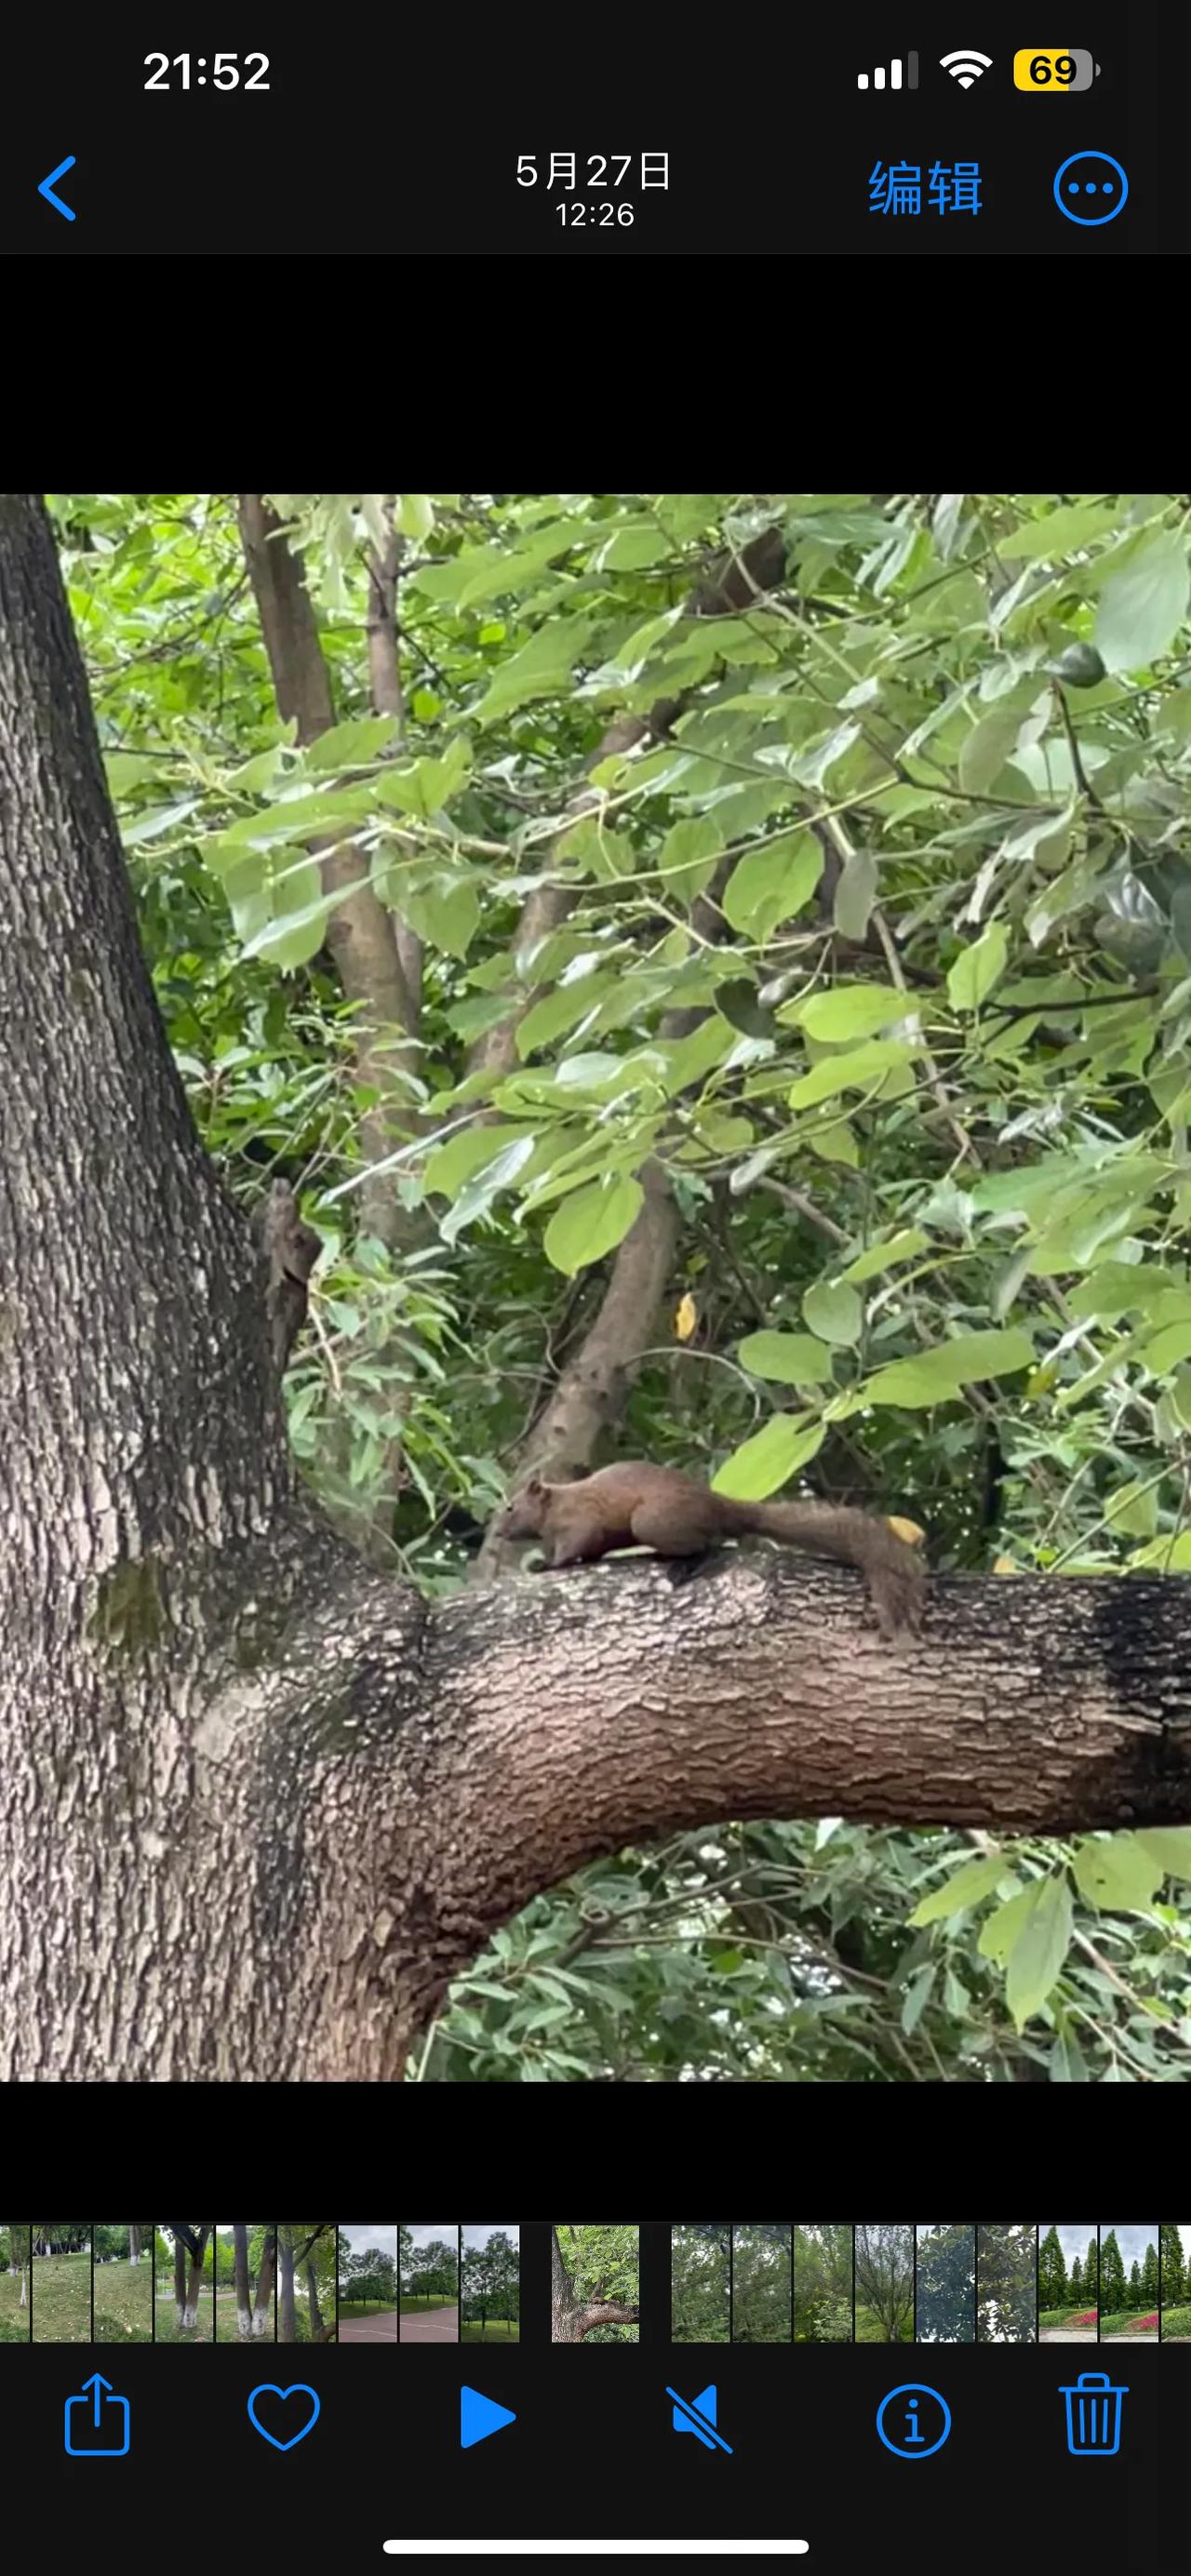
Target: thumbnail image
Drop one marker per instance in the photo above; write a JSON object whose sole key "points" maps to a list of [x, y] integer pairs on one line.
{"points": [[884, 2284], [60, 2282], [245, 2282], [595, 2284], [1007, 2284], [306, 2282], [122, 2282], [1174, 2253], [761, 2284], [490, 2285], [1129, 2284], [823, 2284], [701, 2284], [184, 2283], [14, 2283], [429, 2285], [368, 2284], [1068, 2284], [945, 2285]]}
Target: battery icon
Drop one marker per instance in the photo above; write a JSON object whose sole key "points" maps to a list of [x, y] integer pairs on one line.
{"points": [[1051, 70]]}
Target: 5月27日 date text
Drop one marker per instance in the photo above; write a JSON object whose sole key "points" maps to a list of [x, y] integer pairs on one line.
{"points": [[592, 192]]}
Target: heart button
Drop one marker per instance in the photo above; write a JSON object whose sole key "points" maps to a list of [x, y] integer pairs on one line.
{"points": [[269, 2388]]}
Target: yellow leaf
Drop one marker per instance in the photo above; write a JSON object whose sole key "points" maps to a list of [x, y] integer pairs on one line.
{"points": [[686, 1317], [1005, 1565], [909, 1530]]}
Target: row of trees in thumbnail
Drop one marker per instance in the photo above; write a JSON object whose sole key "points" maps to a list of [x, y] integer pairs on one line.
{"points": [[836, 2284], [177, 2282]]}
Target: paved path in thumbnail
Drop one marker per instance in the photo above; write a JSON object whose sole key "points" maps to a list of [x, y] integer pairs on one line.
{"points": [[378, 2328], [432, 2325]]}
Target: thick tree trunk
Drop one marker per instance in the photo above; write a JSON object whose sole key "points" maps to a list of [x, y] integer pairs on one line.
{"points": [[318, 2330], [134, 2244], [259, 1804], [265, 2279], [572, 2318], [243, 2280], [287, 2326]]}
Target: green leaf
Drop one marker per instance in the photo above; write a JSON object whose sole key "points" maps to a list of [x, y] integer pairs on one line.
{"points": [[345, 746], [855, 895], [1037, 1954], [794, 1359], [1000, 1929], [917, 1995], [330, 811], [425, 786], [160, 818], [477, 1194], [763, 1463], [974, 974], [853, 1011], [561, 1010], [1116, 1874], [686, 861], [967, 1886], [444, 909], [771, 884], [592, 1222], [1143, 605], [861, 1069], [933, 1377], [987, 749], [1171, 1847], [1061, 532], [450, 1165], [834, 1144], [541, 669], [413, 516], [834, 1311], [1165, 1349], [737, 1002], [882, 1256], [635, 544]]}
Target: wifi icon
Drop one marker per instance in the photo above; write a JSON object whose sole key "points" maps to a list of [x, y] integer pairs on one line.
{"points": [[965, 64]]}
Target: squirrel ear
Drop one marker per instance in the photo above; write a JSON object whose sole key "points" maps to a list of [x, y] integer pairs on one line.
{"points": [[535, 1486]]}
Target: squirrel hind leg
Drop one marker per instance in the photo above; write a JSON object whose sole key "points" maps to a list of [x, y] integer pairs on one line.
{"points": [[897, 1590], [681, 1568]]}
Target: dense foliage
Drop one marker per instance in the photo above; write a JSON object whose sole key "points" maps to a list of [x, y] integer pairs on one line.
{"points": [[870, 933]]}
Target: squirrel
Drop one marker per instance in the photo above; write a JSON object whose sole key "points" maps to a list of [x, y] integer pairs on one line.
{"points": [[291, 1249], [638, 1505]]}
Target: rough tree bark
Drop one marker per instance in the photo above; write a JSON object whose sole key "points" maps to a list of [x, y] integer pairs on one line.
{"points": [[243, 2278], [258, 1803], [571, 2317]]}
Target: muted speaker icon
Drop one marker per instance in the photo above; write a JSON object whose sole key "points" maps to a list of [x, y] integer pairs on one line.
{"points": [[877, 79], [697, 2415]]}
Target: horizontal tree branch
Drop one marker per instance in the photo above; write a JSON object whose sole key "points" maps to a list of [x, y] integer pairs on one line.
{"points": [[562, 1717]]}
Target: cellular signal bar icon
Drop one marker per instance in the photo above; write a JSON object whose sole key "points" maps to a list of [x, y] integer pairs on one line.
{"points": [[895, 74]]}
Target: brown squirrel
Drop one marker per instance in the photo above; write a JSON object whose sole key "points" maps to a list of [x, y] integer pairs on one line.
{"points": [[636, 1505]]}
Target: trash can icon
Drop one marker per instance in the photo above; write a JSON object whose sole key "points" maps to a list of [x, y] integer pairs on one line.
{"points": [[1093, 2415]]}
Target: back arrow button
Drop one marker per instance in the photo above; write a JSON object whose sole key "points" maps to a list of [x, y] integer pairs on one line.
{"points": [[46, 187]]}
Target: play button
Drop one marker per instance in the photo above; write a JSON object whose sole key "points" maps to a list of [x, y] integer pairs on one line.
{"points": [[479, 2416]]}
